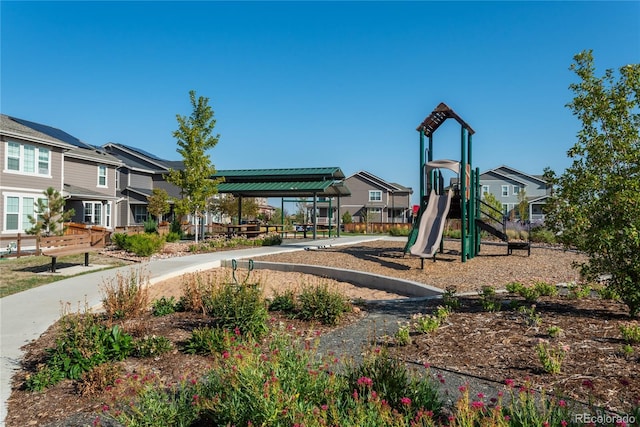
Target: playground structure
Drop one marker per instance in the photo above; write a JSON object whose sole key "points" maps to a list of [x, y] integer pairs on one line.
{"points": [[463, 202]]}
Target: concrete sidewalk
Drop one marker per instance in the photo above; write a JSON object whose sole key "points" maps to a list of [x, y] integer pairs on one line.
{"points": [[26, 315]]}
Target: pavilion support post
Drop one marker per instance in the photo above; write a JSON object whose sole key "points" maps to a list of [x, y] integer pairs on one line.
{"points": [[239, 209], [315, 216]]}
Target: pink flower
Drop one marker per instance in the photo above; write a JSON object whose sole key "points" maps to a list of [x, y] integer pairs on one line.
{"points": [[507, 418], [562, 403], [477, 404], [366, 381], [480, 396], [563, 423], [462, 389], [324, 407], [355, 394], [105, 408], [545, 424], [225, 354], [509, 382], [405, 401]]}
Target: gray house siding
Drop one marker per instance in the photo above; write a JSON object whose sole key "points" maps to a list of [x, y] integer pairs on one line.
{"points": [[376, 199], [505, 183], [16, 184], [84, 174]]}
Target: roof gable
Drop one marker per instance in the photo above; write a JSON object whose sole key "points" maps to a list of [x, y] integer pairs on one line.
{"points": [[137, 158], [12, 128], [375, 180], [508, 171]]}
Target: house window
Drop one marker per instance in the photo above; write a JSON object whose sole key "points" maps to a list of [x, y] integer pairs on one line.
{"points": [[516, 190], [107, 215], [505, 191], [13, 156], [139, 214], [12, 216], [93, 213], [17, 211], [485, 189], [102, 176], [375, 195], [27, 159], [505, 209]]}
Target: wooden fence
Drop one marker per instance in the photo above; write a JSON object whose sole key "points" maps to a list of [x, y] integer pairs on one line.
{"points": [[22, 244]]}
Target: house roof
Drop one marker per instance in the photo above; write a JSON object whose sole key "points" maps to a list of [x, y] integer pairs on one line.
{"points": [[75, 192], [54, 133], [500, 171], [294, 182], [396, 188], [302, 174], [10, 126], [138, 159], [438, 116]]}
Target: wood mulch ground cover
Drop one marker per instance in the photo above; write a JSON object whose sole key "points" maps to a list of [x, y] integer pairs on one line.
{"points": [[472, 345]]}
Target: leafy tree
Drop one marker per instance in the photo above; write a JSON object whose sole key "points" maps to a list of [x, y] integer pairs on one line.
{"points": [[50, 214], [228, 205], [346, 218], [596, 202], [491, 200], [158, 203], [195, 137], [523, 205]]}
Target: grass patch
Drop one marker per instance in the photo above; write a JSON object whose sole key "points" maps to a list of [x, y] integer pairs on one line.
{"points": [[21, 274]]}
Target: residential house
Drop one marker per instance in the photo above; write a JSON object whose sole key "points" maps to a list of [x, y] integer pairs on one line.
{"points": [[141, 172], [36, 157], [373, 199], [508, 185]]}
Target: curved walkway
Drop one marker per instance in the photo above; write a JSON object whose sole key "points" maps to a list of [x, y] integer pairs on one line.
{"points": [[26, 315]]}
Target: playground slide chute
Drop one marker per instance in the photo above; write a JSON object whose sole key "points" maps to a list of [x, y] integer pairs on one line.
{"points": [[431, 225]]}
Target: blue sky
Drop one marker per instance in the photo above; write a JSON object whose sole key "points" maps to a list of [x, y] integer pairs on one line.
{"points": [[304, 84]]}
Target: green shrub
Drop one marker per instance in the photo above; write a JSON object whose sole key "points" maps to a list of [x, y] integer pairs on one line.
{"points": [[176, 227], [542, 235], [425, 323], [120, 240], [164, 306], [152, 346], [208, 341], [607, 292], [284, 301], [452, 234], [578, 291], [390, 379], [150, 226], [545, 289], [82, 343], [631, 333], [399, 231], [489, 299], [172, 237], [320, 303], [514, 287], [238, 306], [272, 239], [450, 299], [144, 244]]}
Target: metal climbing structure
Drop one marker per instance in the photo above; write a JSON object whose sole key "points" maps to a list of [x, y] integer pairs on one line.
{"points": [[464, 205]]}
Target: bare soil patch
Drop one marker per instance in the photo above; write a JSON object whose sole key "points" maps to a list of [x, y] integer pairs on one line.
{"points": [[493, 346]]}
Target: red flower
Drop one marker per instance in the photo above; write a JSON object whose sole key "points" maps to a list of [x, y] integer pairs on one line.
{"points": [[405, 401]]}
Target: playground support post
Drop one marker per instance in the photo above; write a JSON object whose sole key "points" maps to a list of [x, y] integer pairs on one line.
{"points": [[463, 195]]}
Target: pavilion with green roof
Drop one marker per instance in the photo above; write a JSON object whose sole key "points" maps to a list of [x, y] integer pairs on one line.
{"points": [[283, 183]]}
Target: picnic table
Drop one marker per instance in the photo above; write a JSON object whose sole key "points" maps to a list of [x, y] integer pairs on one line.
{"points": [[247, 230]]}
